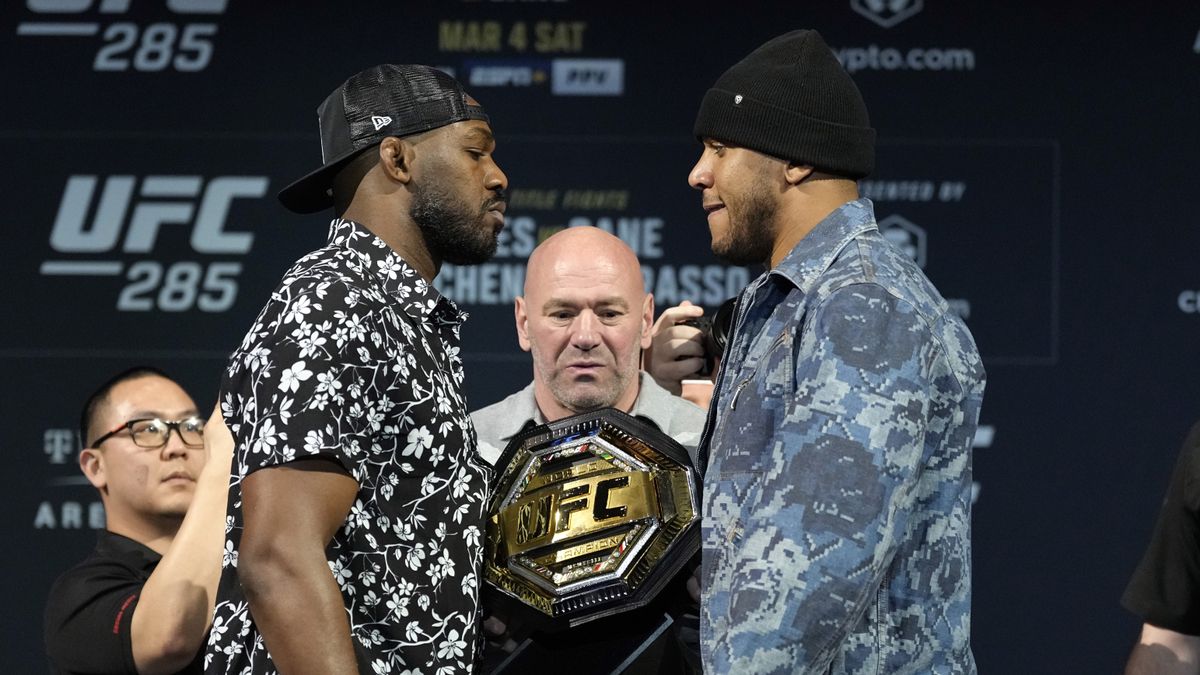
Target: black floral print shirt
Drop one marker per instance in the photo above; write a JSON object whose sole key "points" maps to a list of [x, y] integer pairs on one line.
{"points": [[355, 359]]}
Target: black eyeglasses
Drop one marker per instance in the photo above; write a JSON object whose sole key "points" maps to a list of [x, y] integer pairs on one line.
{"points": [[151, 432]]}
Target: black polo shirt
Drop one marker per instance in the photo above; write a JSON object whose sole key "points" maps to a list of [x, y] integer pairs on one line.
{"points": [[89, 613], [1165, 588]]}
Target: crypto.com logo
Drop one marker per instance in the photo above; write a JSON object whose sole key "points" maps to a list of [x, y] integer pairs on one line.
{"points": [[887, 13]]}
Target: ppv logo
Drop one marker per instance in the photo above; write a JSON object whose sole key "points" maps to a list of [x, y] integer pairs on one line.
{"points": [[907, 236], [587, 77], [887, 13], [162, 201]]}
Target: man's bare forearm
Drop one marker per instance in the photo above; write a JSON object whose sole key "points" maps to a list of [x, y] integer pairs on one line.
{"points": [[291, 514], [299, 610], [1164, 652], [175, 609]]}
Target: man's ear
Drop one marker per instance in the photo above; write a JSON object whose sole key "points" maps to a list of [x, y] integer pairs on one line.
{"points": [[795, 174], [522, 319], [396, 157], [91, 463], [647, 321]]}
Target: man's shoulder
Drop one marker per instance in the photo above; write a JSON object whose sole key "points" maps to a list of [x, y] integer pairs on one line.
{"points": [[870, 259], [329, 270], [686, 425], [872, 270], [676, 412], [102, 568], [504, 412], [319, 292], [685, 410], [490, 414], [496, 423], [871, 275], [675, 416]]}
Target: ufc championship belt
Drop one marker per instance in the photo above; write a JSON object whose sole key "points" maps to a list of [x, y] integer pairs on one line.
{"points": [[591, 516]]}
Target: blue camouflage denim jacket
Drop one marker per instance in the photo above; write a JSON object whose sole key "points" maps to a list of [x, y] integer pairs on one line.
{"points": [[837, 494]]}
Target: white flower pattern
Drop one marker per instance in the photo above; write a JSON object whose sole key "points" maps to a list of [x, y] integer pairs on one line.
{"points": [[356, 359]]}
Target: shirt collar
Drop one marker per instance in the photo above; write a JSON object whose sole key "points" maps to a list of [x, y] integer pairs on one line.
{"points": [[813, 254], [111, 543], [399, 279], [523, 413], [652, 403]]}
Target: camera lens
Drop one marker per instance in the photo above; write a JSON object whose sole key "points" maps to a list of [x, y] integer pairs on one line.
{"points": [[722, 323], [714, 331]]}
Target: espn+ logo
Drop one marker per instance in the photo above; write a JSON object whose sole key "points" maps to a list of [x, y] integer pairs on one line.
{"points": [[127, 216]]}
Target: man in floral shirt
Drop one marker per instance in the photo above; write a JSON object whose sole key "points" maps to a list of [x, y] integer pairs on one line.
{"points": [[357, 499]]}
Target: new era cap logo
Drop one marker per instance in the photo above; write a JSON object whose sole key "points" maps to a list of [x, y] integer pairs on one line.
{"points": [[380, 122]]}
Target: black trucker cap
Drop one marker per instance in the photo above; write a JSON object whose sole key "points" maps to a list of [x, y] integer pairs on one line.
{"points": [[385, 100]]}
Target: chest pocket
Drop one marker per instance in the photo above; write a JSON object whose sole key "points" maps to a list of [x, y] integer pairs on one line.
{"points": [[776, 372], [759, 400]]}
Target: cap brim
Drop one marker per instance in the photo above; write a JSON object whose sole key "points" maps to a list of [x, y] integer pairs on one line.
{"points": [[314, 192]]}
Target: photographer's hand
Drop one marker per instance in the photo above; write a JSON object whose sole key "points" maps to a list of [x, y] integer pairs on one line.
{"points": [[676, 351], [693, 585]]}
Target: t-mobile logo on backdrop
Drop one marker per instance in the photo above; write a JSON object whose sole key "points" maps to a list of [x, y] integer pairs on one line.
{"points": [[887, 13], [59, 445], [58, 511]]}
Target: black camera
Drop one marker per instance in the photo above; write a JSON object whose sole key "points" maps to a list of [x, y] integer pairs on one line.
{"points": [[714, 332]]}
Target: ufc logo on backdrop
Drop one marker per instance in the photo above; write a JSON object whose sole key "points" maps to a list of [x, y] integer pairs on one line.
{"points": [[165, 45], [122, 6], [125, 215], [166, 200]]}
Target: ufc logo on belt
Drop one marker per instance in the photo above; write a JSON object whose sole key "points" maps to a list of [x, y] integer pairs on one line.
{"points": [[577, 508]]}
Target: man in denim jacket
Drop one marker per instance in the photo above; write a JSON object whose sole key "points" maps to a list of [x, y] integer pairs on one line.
{"points": [[837, 492]]}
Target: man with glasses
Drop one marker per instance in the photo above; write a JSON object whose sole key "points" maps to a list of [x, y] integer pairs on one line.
{"points": [[142, 601]]}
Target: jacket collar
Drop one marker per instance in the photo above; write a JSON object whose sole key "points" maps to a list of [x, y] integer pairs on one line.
{"points": [[813, 254]]}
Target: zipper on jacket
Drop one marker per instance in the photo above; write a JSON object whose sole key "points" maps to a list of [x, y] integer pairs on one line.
{"points": [[742, 308], [742, 385], [738, 392]]}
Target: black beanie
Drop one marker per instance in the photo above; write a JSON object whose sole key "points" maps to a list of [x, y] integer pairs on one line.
{"points": [[791, 99]]}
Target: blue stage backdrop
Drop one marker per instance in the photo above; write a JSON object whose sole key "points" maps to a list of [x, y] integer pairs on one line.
{"points": [[1039, 160]]}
